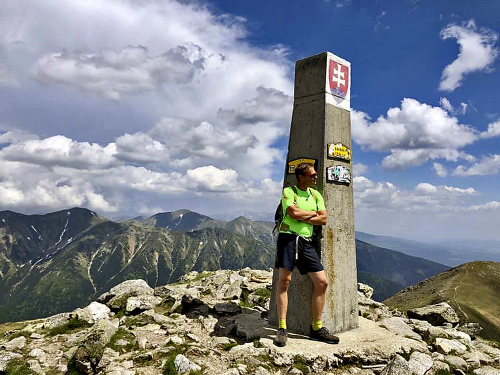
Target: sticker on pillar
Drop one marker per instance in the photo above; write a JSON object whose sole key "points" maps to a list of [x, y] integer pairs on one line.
{"points": [[339, 151], [292, 164], [338, 173]]}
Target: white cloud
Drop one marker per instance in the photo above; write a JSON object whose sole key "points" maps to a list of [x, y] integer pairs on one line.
{"points": [[140, 148], [477, 53], [210, 178], [114, 73], [269, 105], [424, 198], [446, 105], [414, 134], [493, 130], [61, 151], [487, 166], [440, 169], [359, 169], [493, 205]]}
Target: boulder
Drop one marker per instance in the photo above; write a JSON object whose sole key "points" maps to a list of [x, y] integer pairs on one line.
{"points": [[456, 362], [487, 370], [399, 327], [437, 315], [92, 313], [397, 366], [116, 298], [6, 357], [137, 304], [438, 366], [230, 308], [91, 349], [420, 363], [15, 344], [249, 326], [365, 290], [193, 307], [183, 365], [446, 346]]}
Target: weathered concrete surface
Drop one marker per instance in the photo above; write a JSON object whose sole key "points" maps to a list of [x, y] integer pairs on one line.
{"points": [[315, 123], [367, 343]]}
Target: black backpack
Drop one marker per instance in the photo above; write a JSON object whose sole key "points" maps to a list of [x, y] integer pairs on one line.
{"points": [[278, 215]]}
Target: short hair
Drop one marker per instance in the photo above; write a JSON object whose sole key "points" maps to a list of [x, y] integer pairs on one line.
{"points": [[300, 170]]}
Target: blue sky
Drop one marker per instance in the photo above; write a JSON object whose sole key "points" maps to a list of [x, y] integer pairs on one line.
{"points": [[136, 107]]}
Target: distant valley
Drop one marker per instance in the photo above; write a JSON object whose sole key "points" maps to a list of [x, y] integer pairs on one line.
{"points": [[62, 260]]}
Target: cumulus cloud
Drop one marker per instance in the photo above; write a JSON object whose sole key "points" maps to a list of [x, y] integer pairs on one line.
{"points": [[425, 197], [114, 73], [414, 134], [477, 53], [61, 151], [140, 148], [359, 169], [487, 166], [440, 169], [210, 178], [269, 105], [493, 130]]}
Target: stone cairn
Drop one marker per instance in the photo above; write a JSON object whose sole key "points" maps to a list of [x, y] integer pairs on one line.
{"points": [[216, 323]]}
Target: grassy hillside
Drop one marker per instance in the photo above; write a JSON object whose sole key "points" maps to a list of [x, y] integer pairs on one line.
{"points": [[472, 289]]}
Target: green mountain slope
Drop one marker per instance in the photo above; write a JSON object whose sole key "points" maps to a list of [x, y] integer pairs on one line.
{"points": [[472, 289], [394, 266]]}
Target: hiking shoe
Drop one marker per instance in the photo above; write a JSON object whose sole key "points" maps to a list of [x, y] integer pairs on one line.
{"points": [[280, 339], [323, 335]]}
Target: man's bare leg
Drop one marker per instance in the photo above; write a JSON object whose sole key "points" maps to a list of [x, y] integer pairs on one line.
{"points": [[284, 278], [319, 294]]}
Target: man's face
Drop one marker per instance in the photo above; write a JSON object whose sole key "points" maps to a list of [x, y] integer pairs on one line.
{"points": [[310, 177]]}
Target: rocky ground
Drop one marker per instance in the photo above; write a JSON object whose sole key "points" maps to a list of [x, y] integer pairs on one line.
{"points": [[215, 323]]}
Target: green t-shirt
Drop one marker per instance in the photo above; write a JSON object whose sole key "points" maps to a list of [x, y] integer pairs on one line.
{"points": [[305, 201]]}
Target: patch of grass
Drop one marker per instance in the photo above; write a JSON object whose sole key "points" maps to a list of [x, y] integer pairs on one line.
{"points": [[300, 364], [17, 367], [244, 299], [52, 371], [258, 344], [169, 368], [123, 334], [144, 360], [16, 334], [406, 355], [443, 372], [229, 346], [73, 325], [72, 370]]}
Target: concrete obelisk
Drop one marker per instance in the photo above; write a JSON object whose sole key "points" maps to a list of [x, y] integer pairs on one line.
{"points": [[321, 132]]}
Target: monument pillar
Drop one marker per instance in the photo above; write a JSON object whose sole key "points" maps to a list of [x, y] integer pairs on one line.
{"points": [[321, 131]]}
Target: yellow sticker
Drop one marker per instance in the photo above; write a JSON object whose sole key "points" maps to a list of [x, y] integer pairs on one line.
{"points": [[292, 164], [339, 151]]}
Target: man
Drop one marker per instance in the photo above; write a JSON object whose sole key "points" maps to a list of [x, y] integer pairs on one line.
{"points": [[303, 207]]}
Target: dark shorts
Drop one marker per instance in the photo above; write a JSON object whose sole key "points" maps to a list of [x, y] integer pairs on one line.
{"points": [[308, 259]]}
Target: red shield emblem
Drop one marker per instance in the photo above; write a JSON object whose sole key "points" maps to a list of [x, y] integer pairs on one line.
{"points": [[338, 76]]}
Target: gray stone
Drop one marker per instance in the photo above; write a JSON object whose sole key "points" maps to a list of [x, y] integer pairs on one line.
{"points": [[137, 304], [182, 364], [15, 344], [397, 366], [34, 366], [419, 363], [38, 353], [463, 337], [365, 290], [6, 357], [92, 313], [437, 366], [487, 370], [117, 297], [472, 359], [456, 362], [36, 336], [446, 346], [91, 350], [437, 315], [399, 327]]}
